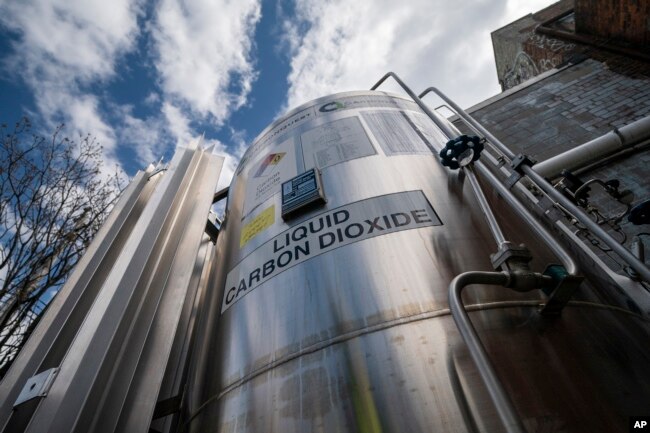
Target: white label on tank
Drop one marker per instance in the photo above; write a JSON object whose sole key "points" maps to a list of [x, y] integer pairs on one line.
{"points": [[396, 133], [266, 175], [335, 142], [325, 232], [428, 129], [276, 133], [365, 101]]}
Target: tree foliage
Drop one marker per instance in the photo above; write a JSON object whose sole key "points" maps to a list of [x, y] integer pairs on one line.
{"points": [[53, 200]]}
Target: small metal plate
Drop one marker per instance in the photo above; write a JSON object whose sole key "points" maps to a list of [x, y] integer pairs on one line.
{"points": [[37, 386], [301, 192]]}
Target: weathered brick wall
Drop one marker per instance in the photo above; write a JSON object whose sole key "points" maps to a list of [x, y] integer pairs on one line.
{"points": [[569, 107], [520, 53], [623, 20]]}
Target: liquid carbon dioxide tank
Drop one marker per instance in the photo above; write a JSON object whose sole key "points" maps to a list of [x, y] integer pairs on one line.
{"points": [[328, 305]]}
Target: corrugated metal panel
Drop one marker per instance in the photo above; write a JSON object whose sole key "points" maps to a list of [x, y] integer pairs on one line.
{"points": [[112, 327]]}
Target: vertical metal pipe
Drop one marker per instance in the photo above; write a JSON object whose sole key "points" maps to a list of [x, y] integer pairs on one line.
{"points": [[545, 186], [485, 206], [450, 133], [560, 252], [502, 401]]}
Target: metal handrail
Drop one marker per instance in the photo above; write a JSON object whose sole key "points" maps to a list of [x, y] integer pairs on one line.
{"points": [[471, 122], [549, 190], [560, 252], [502, 402], [444, 127], [496, 231]]}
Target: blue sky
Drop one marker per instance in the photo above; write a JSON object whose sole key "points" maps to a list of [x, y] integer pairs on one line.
{"points": [[146, 76]]}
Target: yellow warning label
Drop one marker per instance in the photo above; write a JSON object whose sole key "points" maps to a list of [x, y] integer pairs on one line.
{"points": [[257, 225]]}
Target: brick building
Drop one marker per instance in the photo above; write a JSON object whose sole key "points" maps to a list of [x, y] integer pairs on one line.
{"points": [[572, 73]]}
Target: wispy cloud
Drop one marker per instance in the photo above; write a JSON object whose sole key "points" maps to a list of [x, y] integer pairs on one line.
{"points": [[65, 46], [350, 45], [66, 52], [203, 54], [205, 63], [178, 125]]}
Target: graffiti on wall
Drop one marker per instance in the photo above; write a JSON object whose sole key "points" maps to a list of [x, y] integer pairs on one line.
{"points": [[523, 69], [544, 42], [539, 53]]}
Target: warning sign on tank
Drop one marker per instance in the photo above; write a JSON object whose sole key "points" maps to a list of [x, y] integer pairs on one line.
{"points": [[325, 232], [257, 225], [268, 172]]}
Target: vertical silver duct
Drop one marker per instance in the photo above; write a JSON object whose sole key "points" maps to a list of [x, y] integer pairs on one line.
{"points": [[108, 338]]}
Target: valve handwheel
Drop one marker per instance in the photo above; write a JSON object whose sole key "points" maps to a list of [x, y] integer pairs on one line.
{"points": [[461, 151]]}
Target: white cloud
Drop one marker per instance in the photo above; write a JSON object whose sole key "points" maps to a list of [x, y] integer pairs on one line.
{"points": [[204, 54], [146, 133], [63, 46], [350, 45], [205, 66], [178, 125]]}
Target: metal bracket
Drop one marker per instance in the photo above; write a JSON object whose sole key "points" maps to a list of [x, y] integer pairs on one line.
{"points": [[562, 292], [167, 407], [37, 386], [220, 195], [212, 231], [511, 257], [521, 160], [513, 179], [155, 172]]}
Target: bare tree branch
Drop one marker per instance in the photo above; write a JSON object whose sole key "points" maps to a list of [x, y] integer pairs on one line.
{"points": [[53, 201]]}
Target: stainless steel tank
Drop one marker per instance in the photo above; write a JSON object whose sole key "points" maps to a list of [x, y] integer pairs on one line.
{"points": [[337, 319]]}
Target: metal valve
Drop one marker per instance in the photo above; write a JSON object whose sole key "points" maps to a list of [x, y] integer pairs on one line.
{"points": [[461, 151]]}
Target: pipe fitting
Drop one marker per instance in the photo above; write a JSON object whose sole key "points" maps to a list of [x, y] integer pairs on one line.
{"points": [[522, 281]]}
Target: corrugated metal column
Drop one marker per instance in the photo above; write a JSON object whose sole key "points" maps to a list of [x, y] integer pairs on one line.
{"points": [[110, 376]]}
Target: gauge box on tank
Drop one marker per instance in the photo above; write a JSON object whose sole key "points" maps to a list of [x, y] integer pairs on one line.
{"points": [[302, 193]]}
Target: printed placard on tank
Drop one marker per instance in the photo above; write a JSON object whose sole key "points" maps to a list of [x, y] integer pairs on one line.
{"points": [[396, 133], [325, 232], [335, 142], [276, 165]]}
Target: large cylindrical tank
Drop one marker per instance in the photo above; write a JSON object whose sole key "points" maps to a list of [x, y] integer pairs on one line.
{"points": [[336, 319]]}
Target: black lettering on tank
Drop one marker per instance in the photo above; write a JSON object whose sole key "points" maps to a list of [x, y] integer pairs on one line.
{"points": [[323, 242], [230, 298], [299, 249], [357, 232], [421, 216], [373, 225], [268, 268], [341, 216], [284, 259], [242, 287], [254, 275], [276, 248], [299, 233], [387, 221], [321, 225], [397, 223]]}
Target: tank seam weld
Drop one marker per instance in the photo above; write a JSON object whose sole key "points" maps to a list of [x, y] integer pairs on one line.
{"points": [[396, 322]]}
